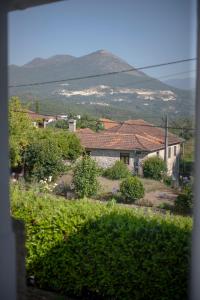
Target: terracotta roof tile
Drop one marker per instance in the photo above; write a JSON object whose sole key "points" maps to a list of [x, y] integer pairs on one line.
{"points": [[107, 123], [130, 135]]}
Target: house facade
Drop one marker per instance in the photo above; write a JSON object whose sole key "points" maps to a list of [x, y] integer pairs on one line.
{"points": [[132, 142]]}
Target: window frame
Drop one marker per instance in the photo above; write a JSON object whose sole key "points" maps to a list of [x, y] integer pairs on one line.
{"points": [[124, 156]]}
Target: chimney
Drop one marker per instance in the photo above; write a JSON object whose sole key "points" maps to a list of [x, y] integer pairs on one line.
{"points": [[72, 125]]}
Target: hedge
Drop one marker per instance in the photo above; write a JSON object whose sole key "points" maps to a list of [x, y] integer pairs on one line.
{"points": [[93, 250]]}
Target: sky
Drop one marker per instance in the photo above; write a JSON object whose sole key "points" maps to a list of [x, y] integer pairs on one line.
{"points": [[142, 32]]}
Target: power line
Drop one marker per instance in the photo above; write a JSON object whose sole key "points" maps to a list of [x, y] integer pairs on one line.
{"points": [[104, 74]]}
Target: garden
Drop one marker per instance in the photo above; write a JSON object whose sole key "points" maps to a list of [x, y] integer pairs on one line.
{"points": [[94, 233]]}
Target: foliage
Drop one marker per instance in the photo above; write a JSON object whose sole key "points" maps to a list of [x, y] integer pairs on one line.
{"points": [[93, 250], [184, 201], [43, 159], [154, 168], [118, 171], [62, 124], [85, 177], [186, 167], [87, 121], [167, 180], [20, 131], [68, 143], [185, 124], [132, 189]]}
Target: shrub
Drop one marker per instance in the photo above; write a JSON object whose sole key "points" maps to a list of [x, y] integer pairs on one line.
{"points": [[97, 251], [118, 171], [184, 201], [85, 177], [132, 189], [154, 168], [167, 180]]}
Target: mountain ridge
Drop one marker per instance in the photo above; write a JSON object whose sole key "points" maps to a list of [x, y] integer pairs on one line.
{"points": [[129, 91]]}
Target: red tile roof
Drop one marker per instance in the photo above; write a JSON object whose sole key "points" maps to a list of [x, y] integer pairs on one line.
{"points": [[35, 116], [129, 135], [107, 123], [84, 130]]}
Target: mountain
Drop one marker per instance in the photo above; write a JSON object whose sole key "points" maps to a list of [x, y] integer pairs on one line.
{"points": [[123, 95], [187, 83]]}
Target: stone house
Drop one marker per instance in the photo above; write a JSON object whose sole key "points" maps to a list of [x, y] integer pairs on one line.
{"points": [[131, 141]]}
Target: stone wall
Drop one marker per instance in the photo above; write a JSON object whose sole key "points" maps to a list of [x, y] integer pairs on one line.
{"points": [[107, 158]]}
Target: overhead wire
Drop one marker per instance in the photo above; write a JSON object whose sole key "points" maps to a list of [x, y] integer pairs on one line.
{"points": [[103, 74]]}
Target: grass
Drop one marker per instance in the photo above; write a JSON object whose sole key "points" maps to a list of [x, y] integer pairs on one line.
{"points": [[151, 185]]}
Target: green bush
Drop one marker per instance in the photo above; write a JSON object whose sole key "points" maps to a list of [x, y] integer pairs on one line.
{"points": [[93, 250], [184, 201], [154, 168], [132, 189], [167, 180], [85, 177], [118, 171], [43, 158]]}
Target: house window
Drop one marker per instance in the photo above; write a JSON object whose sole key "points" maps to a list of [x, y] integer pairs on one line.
{"points": [[157, 153], [174, 150], [125, 158], [169, 152], [88, 152]]}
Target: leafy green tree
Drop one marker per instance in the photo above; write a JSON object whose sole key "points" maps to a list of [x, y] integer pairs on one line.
{"points": [[68, 143], [183, 127], [62, 124], [20, 131], [89, 122], [43, 158], [85, 177]]}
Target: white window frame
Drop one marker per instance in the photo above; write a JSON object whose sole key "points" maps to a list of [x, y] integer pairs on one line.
{"points": [[7, 240]]}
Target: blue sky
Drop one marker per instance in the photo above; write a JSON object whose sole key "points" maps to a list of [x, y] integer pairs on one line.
{"points": [[142, 32]]}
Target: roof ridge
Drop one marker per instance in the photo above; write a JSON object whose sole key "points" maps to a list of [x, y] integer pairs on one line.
{"points": [[152, 140]]}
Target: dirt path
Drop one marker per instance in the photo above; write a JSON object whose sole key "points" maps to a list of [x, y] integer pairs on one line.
{"points": [[156, 192]]}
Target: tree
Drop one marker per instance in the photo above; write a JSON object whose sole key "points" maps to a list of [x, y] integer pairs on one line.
{"points": [[20, 131], [85, 177], [43, 158], [90, 122], [68, 143]]}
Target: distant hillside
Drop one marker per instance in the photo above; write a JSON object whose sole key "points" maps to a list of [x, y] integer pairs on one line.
{"points": [[131, 94], [187, 83]]}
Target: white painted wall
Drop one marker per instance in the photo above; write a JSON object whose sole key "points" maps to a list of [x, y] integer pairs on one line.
{"points": [[173, 161]]}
